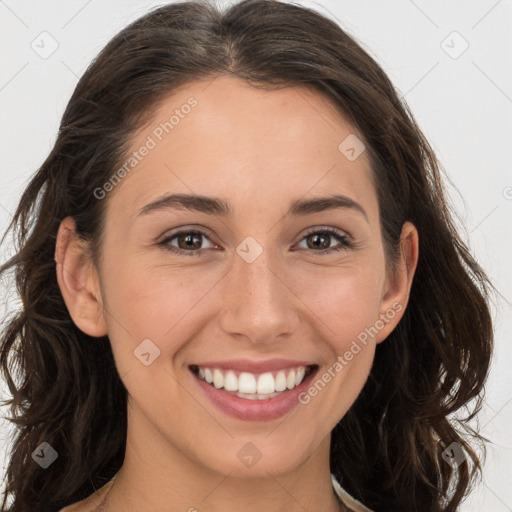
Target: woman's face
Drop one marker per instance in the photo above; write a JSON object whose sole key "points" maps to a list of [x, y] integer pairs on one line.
{"points": [[263, 283]]}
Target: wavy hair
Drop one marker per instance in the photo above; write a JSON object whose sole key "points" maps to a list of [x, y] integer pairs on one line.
{"points": [[64, 384]]}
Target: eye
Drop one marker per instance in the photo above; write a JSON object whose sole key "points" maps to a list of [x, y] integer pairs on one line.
{"points": [[188, 242], [322, 238]]}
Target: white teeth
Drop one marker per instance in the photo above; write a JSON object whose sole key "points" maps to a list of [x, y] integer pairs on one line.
{"points": [[300, 375], [255, 396], [230, 381], [250, 386], [280, 381], [246, 383], [290, 380], [265, 384], [218, 379]]}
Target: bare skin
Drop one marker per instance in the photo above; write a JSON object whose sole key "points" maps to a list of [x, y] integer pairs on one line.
{"points": [[259, 151]]}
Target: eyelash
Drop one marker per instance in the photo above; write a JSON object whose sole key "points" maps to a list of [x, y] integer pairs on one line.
{"points": [[346, 243]]}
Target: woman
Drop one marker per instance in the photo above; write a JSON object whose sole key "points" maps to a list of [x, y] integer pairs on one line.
{"points": [[308, 355]]}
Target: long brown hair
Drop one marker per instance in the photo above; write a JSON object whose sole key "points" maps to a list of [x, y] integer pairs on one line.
{"points": [[387, 450]]}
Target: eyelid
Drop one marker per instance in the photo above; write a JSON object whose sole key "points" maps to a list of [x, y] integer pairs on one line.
{"points": [[346, 241], [194, 227], [330, 229]]}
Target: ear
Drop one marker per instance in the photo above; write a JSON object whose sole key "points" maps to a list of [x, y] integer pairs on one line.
{"points": [[78, 280], [398, 283]]}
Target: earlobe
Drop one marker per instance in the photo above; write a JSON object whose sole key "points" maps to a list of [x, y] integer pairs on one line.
{"points": [[396, 296], [78, 281]]}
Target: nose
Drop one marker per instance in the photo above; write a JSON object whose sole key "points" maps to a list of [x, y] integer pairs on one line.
{"points": [[258, 300]]}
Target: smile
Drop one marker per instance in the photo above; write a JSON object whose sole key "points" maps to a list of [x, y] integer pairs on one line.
{"points": [[253, 396], [253, 386]]}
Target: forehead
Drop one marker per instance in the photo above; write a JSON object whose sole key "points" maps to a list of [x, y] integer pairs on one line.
{"points": [[226, 138]]}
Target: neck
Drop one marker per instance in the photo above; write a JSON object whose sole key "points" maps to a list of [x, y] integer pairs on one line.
{"points": [[155, 474]]}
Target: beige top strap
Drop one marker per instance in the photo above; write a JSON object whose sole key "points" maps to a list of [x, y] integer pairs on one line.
{"points": [[349, 501]]}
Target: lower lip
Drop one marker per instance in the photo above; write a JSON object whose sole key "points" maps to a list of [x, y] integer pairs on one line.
{"points": [[255, 410]]}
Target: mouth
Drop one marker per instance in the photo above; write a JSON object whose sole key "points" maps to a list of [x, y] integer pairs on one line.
{"points": [[253, 386], [254, 396]]}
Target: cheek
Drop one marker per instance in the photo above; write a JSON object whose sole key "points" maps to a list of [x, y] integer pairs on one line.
{"points": [[345, 301], [155, 303]]}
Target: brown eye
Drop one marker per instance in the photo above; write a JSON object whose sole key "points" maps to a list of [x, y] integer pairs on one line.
{"points": [[321, 239], [188, 242]]}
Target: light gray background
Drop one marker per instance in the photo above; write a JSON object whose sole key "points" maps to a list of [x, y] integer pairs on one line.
{"points": [[463, 105]]}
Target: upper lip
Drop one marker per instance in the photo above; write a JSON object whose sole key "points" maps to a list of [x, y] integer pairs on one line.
{"points": [[257, 367]]}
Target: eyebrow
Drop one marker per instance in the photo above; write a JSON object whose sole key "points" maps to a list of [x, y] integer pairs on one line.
{"points": [[215, 206]]}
